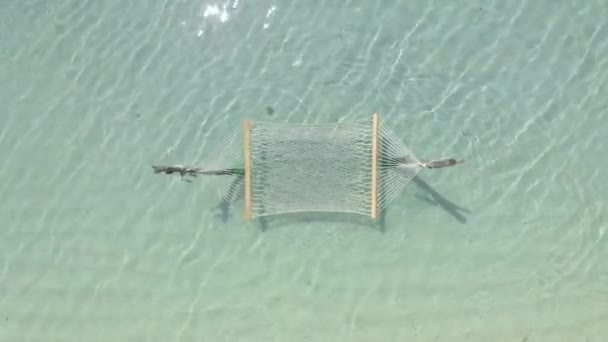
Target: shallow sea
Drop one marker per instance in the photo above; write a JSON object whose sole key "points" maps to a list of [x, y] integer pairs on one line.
{"points": [[509, 246]]}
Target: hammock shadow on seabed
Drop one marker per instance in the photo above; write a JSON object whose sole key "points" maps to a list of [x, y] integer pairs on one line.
{"points": [[433, 197]]}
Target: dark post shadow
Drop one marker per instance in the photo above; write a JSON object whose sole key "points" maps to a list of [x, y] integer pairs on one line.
{"points": [[233, 195], [437, 199]]}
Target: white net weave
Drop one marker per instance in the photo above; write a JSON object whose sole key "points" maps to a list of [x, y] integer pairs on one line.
{"points": [[325, 167]]}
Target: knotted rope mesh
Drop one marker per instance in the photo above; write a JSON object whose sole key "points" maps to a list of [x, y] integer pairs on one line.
{"points": [[353, 167]]}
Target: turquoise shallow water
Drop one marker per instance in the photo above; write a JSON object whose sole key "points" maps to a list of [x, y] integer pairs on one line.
{"points": [[95, 247]]}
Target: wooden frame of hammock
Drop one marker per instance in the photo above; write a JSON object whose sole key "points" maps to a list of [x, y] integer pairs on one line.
{"points": [[247, 151], [374, 200]]}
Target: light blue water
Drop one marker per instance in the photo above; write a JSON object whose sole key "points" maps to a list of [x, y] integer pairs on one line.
{"points": [[95, 247]]}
